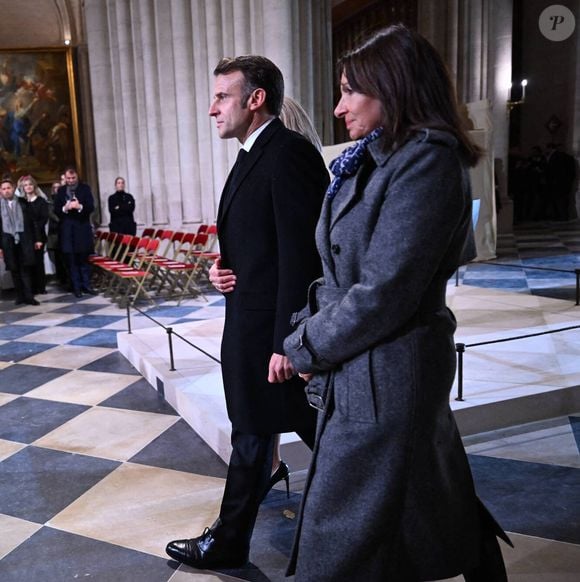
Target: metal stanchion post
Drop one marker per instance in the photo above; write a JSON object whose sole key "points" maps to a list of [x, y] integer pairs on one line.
{"points": [[457, 277], [171, 361], [577, 271], [129, 317], [460, 349]]}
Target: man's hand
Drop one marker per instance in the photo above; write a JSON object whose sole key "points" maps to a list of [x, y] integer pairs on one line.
{"points": [[223, 280], [280, 369]]}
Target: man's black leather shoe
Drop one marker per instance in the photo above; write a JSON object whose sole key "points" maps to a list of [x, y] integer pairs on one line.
{"points": [[78, 294], [32, 302], [89, 290], [205, 552]]}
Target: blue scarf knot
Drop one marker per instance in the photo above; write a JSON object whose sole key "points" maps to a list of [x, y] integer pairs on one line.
{"points": [[348, 163]]}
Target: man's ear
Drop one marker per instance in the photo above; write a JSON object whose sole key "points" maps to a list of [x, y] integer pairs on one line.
{"points": [[257, 99]]}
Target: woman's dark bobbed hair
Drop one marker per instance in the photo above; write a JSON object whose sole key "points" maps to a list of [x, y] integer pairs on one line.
{"points": [[406, 74]]}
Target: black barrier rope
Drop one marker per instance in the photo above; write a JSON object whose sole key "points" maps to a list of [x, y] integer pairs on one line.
{"points": [[461, 347], [170, 334]]}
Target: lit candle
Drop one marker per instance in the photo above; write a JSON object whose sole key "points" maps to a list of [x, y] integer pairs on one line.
{"points": [[524, 85]]}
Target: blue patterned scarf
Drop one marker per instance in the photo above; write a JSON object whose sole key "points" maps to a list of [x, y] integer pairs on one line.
{"points": [[348, 163]]}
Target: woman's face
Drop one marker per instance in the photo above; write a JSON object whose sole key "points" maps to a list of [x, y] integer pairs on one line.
{"points": [[361, 113], [120, 184], [28, 187]]}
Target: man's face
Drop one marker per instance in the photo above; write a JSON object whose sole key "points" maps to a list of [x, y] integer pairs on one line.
{"points": [[7, 190], [71, 178], [232, 119]]}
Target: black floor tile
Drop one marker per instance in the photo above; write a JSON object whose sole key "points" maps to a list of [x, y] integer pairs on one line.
{"points": [[78, 308], [100, 338], [20, 378], [25, 420], [94, 321], [10, 317], [115, 363], [38, 483], [19, 350], [575, 424], [51, 555], [565, 293], [272, 540], [534, 499], [12, 332], [182, 449], [140, 396]]}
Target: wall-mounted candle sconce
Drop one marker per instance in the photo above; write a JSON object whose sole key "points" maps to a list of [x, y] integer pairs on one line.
{"points": [[511, 103]]}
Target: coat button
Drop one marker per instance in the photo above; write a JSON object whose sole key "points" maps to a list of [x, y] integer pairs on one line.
{"points": [[335, 249]]}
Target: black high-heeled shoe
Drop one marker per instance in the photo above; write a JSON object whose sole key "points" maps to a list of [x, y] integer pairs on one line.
{"points": [[282, 472]]}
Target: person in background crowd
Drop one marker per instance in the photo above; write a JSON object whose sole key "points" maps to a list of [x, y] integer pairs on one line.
{"points": [[389, 495], [121, 208], [74, 205], [53, 244], [560, 175], [17, 238], [295, 118], [36, 200]]}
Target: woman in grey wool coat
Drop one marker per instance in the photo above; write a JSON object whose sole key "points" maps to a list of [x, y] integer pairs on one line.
{"points": [[390, 496]]}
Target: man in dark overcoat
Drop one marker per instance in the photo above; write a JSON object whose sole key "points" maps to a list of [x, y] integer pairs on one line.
{"points": [[266, 221], [18, 233], [74, 204]]}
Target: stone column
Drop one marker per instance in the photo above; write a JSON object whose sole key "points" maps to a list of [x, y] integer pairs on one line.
{"points": [[151, 65], [476, 42]]}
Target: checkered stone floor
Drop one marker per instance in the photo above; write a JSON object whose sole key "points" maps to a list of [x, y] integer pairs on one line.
{"points": [[98, 472]]}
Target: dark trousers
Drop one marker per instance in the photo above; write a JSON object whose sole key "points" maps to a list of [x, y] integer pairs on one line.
{"points": [[22, 279], [39, 277], [79, 270], [247, 482], [61, 269], [22, 276]]}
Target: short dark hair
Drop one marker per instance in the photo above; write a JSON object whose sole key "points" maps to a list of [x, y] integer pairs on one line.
{"points": [[259, 73], [70, 168], [401, 69]]}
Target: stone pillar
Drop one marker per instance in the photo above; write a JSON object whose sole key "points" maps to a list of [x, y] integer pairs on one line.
{"points": [[476, 43], [151, 64]]}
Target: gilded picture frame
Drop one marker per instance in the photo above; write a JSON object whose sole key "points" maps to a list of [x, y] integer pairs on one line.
{"points": [[39, 132]]}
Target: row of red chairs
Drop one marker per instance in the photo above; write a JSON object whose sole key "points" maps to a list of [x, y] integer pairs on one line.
{"points": [[130, 267]]}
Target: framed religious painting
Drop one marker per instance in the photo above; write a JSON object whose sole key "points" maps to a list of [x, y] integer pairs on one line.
{"points": [[38, 113]]}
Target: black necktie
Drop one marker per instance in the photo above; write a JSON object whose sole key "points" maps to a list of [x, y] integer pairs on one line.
{"points": [[236, 168], [233, 177]]}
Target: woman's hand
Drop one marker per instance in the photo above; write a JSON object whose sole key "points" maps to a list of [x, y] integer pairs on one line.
{"points": [[223, 280], [306, 377]]}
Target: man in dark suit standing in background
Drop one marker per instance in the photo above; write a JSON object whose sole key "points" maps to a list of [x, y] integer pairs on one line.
{"points": [[266, 221], [18, 235], [73, 205]]}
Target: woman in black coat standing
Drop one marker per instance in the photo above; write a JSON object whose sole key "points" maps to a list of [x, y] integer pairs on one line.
{"points": [[38, 204], [121, 209]]}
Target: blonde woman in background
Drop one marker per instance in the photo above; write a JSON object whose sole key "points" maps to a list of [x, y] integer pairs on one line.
{"points": [[295, 118], [37, 202]]}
